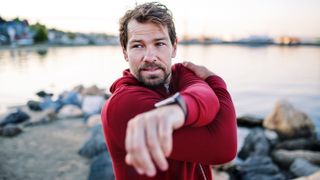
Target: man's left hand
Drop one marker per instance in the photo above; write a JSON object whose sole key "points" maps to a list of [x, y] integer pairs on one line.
{"points": [[149, 138]]}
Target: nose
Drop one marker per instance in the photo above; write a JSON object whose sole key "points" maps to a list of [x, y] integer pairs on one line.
{"points": [[150, 55]]}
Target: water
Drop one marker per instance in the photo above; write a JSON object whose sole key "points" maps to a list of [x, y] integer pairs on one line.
{"points": [[256, 76]]}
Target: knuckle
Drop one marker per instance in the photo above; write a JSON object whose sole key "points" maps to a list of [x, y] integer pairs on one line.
{"points": [[135, 148], [152, 145]]}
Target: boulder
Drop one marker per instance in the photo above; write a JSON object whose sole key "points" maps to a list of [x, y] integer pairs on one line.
{"points": [[41, 117], [70, 111], [10, 130], [315, 176], [16, 117], [93, 91], [285, 157], [301, 167], [92, 104], [101, 167], [255, 143], [289, 122], [34, 105], [301, 143], [249, 121], [258, 167], [95, 145], [94, 120]]}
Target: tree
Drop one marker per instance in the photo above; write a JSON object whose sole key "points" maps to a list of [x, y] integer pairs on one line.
{"points": [[41, 33]]}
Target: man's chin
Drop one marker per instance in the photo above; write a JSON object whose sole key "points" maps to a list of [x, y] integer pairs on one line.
{"points": [[153, 83]]}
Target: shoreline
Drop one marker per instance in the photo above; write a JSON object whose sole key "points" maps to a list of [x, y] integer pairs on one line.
{"points": [[47, 45]]}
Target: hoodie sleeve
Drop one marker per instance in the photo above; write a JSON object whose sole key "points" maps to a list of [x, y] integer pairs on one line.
{"points": [[125, 103], [201, 101], [215, 143]]}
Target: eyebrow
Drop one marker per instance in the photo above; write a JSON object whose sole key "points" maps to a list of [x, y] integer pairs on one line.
{"points": [[155, 40]]}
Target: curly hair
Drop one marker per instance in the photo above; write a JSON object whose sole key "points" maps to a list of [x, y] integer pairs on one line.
{"points": [[148, 12]]}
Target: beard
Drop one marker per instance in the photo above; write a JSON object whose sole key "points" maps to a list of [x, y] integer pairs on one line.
{"points": [[153, 81]]}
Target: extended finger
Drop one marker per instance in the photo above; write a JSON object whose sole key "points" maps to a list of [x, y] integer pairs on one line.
{"points": [[165, 136], [154, 145], [140, 155], [129, 161]]}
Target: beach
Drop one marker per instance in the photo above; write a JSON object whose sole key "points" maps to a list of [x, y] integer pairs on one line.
{"points": [[47, 151]]}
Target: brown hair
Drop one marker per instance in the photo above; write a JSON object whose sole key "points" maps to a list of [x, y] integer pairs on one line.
{"points": [[148, 12]]}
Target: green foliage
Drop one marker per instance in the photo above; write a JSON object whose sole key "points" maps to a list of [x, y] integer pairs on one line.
{"points": [[41, 33], [71, 35]]}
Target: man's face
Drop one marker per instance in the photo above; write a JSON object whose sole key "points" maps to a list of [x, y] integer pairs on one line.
{"points": [[149, 52]]}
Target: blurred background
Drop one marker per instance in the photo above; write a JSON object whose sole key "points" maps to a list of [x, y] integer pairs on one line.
{"points": [[265, 50]]}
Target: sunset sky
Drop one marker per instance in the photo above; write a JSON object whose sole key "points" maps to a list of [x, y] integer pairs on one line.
{"points": [[194, 18]]}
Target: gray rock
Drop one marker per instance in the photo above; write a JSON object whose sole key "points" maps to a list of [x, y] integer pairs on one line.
{"points": [[284, 158], [301, 167], [101, 167], [255, 143], [95, 144], [249, 121], [302, 144], [289, 122], [259, 167], [10, 130], [14, 118]]}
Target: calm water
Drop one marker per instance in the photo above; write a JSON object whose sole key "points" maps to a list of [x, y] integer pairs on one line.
{"points": [[256, 76]]}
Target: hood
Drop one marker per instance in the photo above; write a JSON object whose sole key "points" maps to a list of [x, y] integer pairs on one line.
{"points": [[126, 79]]}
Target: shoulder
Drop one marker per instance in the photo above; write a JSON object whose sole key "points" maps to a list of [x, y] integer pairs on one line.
{"points": [[129, 101]]}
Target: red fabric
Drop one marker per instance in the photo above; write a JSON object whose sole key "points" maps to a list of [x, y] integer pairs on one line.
{"points": [[207, 137]]}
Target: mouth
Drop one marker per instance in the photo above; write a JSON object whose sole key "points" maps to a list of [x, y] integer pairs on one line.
{"points": [[150, 69]]}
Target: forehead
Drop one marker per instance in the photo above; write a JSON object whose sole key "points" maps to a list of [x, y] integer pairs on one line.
{"points": [[146, 31]]}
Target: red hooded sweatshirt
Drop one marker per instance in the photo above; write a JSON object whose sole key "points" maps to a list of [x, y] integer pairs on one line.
{"points": [[208, 136]]}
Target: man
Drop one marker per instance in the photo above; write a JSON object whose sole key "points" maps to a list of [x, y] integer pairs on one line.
{"points": [[163, 121]]}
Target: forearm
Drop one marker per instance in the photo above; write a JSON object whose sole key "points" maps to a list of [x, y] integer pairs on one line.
{"points": [[215, 143]]}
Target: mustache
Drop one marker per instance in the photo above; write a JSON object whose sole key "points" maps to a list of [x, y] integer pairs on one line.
{"points": [[151, 65]]}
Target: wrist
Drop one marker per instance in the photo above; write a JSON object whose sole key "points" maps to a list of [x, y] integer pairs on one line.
{"points": [[175, 99]]}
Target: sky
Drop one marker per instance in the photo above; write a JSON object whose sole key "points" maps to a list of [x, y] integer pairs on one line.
{"points": [[214, 18]]}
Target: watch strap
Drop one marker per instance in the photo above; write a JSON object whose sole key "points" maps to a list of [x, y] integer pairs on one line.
{"points": [[175, 99]]}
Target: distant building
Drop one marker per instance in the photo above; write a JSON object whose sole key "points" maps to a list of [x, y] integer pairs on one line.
{"points": [[287, 40], [15, 32]]}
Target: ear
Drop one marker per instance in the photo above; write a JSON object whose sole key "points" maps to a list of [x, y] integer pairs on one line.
{"points": [[174, 49], [125, 54]]}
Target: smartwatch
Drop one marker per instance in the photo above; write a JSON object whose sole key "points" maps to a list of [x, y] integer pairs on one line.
{"points": [[175, 99]]}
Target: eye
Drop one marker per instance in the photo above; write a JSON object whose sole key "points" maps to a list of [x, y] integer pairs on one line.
{"points": [[137, 46], [160, 44]]}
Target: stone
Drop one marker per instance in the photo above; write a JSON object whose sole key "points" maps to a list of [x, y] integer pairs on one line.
{"points": [[101, 167], [10, 130], [284, 158], [94, 120], [92, 104], [258, 167], [249, 121], [289, 122], [93, 91], [70, 111], [301, 167], [315, 176], [255, 143], [16, 117], [34, 105], [301, 143], [41, 117], [95, 145]]}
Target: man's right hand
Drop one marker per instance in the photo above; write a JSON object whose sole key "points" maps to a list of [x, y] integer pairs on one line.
{"points": [[201, 71]]}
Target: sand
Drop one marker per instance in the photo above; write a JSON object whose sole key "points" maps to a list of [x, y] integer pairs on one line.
{"points": [[47, 151]]}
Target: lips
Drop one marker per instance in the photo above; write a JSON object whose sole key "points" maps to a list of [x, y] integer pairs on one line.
{"points": [[150, 69]]}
